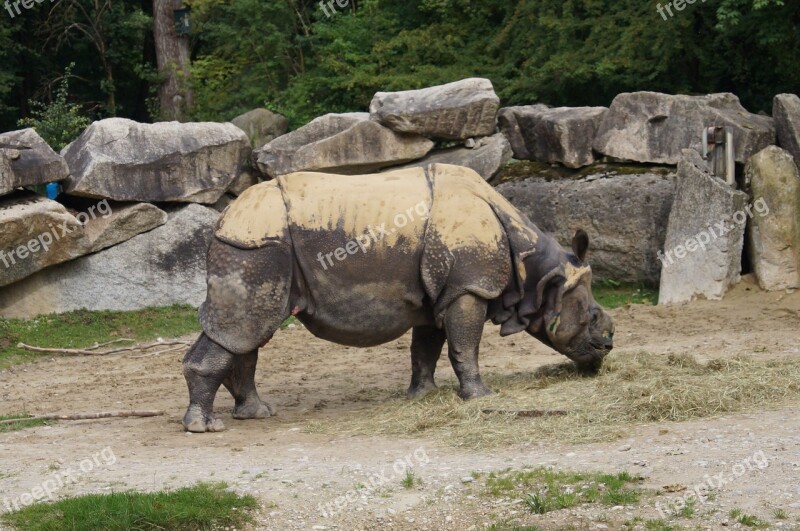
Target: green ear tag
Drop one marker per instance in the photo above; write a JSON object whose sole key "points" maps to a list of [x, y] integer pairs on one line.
{"points": [[555, 322]]}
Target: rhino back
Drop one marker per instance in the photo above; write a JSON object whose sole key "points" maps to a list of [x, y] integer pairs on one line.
{"points": [[358, 241]]}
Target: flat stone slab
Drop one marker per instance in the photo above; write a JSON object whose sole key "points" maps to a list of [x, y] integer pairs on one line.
{"points": [[124, 160], [455, 111], [702, 254]]}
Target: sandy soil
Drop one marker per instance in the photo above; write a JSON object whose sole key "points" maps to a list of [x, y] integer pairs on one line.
{"points": [[300, 476]]}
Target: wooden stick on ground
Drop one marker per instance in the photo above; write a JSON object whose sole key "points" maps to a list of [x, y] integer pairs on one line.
{"points": [[87, 416], [529, 412], [91, 352]]}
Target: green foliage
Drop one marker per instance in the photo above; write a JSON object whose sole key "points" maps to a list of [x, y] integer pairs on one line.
{"points": [[204, 506], [58, 122], [290, 57]]}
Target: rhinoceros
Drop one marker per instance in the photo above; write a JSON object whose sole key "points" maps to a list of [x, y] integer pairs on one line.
{"points": [[361, 259]]}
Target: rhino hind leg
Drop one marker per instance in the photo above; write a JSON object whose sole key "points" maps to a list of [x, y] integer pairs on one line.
{"points": [[205, 366], [463, 323], [240, 382], [426, 347]]}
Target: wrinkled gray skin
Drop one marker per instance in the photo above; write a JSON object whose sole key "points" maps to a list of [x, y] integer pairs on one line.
{"points": [[341, 313]]}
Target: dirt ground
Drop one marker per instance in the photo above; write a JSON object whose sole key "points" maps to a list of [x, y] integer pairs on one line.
{"points": [[308, 480]]}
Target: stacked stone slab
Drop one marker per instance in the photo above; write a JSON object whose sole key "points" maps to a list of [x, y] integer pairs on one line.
{"points": [[261, 126], [773, 235], [159, 268], [786, 111], [486, 156], [455, 111], [124, 160], [340, 143], [555, 135], [654, 128], [27, 160], [705, 235], [624, 215]]}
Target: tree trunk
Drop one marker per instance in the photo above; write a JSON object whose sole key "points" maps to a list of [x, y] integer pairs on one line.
{"points": [[172, 56]]}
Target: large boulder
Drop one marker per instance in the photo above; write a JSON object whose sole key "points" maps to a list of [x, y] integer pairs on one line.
{"points": [[27, 160], [455, 111], [486, 157], [556, 135], [702, 254], [261, 126], [653, 127], [774, 234], [36, 233], [162, 267], [39, 233], [340, 143], [786, 111], [624, 215], [124, 160]]}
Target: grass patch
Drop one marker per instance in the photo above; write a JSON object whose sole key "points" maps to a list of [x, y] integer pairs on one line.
{"points": [[611, 294], [631, 389], [203, 506], [543, 490], [409, 480], [83, 328], [23, 423], [747, 519]]}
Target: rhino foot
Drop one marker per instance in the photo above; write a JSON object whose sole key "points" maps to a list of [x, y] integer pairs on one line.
{"points": [[194, 421], [253, 410], [475, 391], [421, 390]]}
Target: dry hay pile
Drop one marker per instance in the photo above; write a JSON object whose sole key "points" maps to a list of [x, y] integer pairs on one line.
{"points": [[632, 389]]}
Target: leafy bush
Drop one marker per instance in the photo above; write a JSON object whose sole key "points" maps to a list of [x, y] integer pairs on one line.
{"points": [[58, 122]]}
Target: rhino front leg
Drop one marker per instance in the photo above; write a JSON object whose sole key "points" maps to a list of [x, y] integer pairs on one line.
{"points": [[205, 366], [241, 382], [464, 322], [426, 347]]}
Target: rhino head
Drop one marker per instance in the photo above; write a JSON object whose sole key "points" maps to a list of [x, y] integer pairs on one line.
{"points": [[558, 308]]}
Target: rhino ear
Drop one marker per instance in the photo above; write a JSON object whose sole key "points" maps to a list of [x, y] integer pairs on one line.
{"points": [[580, 244]]}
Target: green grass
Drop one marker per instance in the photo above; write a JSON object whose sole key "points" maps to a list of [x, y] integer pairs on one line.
{"points": [[611, 294], [747, 519], [82, 328], [543, 490], [779, 514], [204, 506], [409, 480], [21, 424]]}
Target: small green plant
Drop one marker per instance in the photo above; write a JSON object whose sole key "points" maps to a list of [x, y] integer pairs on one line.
{"points": [[410, 479], [658, 525], [548, 490], [58, 122], [204, 506], [687, 511], [780, 514], [747, 519]]}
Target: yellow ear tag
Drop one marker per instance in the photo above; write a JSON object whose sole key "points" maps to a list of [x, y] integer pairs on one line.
{"points": [[555, 322]]}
